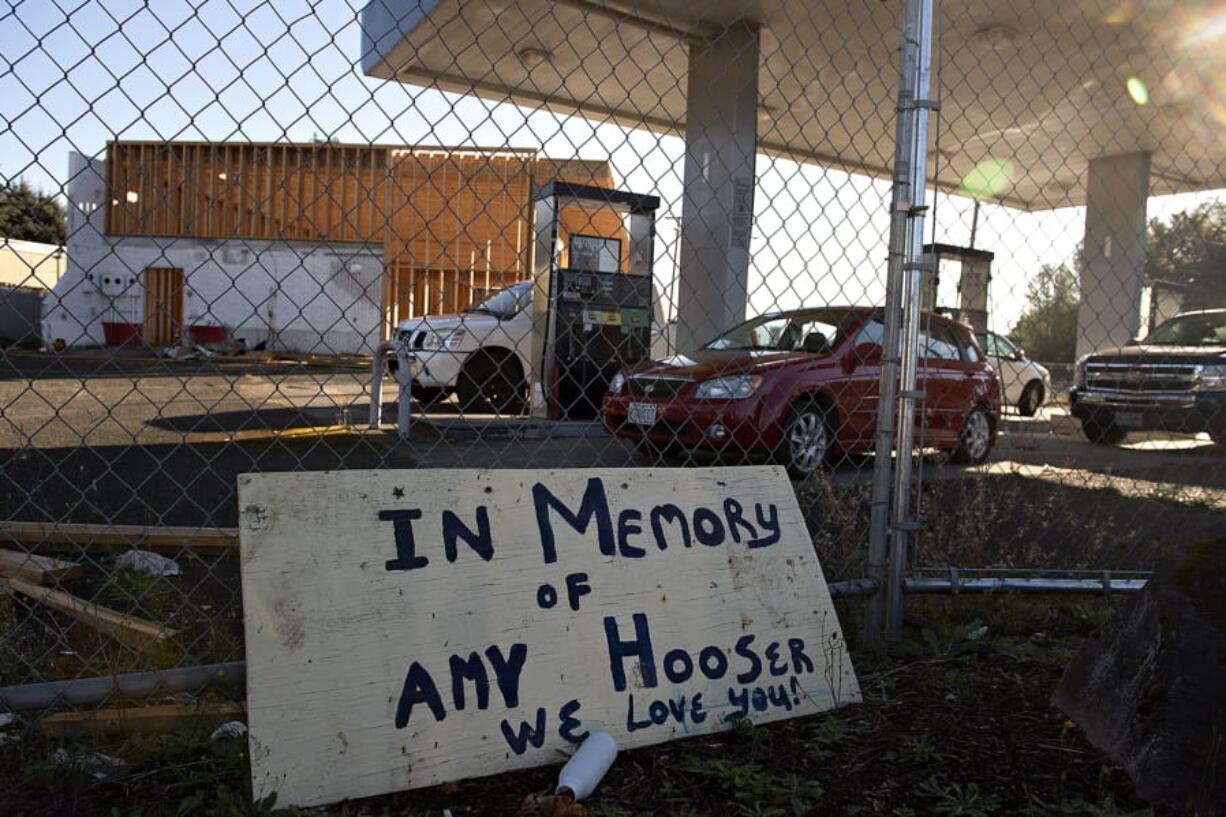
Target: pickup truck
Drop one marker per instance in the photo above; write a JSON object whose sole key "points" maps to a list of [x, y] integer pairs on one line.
{"points": [[1173, 380]]}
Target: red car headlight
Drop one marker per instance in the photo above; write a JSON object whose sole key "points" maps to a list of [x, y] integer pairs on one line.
{"points": [[734, 387]]}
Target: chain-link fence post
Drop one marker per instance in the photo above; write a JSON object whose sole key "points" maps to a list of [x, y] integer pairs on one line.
{"points": [[889, 516]]}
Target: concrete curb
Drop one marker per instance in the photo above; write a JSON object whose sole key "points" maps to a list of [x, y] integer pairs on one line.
{"points": [[339, 363], [512, 428]]}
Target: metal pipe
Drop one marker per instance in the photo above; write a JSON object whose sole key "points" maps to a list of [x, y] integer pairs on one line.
{"points": [[1021, 584], [917, 32], [1031, 572], [852, 588], [900, 206], [135, 685], [376, 384], [404, 401], [907, 151]]}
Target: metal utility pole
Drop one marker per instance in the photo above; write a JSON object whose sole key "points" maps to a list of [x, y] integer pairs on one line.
{"points": [[890, 515]]}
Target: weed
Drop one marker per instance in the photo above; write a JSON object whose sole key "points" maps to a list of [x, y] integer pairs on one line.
{"points": [[802, 795], [948, 639], [132, 591], [921, 749], [744, 729], [755, 792], [23, 650], [834, 729], [829, 735], [957, 800]]}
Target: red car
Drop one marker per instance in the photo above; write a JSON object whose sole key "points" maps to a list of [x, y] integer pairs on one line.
{"points": [[801, 385]]}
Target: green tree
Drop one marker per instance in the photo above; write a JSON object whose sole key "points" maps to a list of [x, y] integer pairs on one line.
{"points": [[29, 215], [1190, 250], [1047, 330]]}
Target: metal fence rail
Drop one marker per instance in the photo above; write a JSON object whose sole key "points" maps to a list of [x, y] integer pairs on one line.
{"points": [[833, 238]]}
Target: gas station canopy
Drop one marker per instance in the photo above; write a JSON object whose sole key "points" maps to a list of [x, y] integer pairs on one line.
{"points": [[1035, 90]]}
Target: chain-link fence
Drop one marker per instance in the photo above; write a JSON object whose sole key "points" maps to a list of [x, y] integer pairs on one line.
{"points": [[599, 233]]}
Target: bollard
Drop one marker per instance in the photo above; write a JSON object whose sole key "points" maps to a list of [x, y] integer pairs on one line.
{"points": [[376, 384], [404, 402]]}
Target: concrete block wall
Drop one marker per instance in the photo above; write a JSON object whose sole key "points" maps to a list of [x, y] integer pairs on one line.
{"points": [[298, 296]]}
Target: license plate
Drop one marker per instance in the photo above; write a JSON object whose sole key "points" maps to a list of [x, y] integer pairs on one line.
{"points": [[642, 414], [1128, 419]]}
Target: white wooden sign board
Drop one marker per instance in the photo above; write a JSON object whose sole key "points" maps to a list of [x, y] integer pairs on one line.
{"points": [[406, 628]]}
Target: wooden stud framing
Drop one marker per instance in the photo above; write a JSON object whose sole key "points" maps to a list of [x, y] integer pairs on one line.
{"points": [[74, 535], [459, 224], [37, 569], [146, 720], [132, 631]]}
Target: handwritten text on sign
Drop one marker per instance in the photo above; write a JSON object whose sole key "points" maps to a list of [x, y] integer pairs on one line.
{"points": [[406, 628]]}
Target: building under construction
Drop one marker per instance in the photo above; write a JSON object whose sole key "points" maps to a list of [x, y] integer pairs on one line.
{"points": [[317, 247]]}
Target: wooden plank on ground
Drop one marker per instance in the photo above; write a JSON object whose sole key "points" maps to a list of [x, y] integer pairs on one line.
{"points": [[158, 539], [135, 632], [146, 720], [37, 569]]}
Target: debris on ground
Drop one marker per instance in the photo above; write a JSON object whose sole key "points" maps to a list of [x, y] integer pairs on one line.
{"points": [[229, 731], [1147, 690], [587, 767], [149, 563], [8, 719], [550, 805], [95, 764]]}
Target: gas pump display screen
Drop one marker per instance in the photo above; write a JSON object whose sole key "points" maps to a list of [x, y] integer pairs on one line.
{"points": [[595, 254]]}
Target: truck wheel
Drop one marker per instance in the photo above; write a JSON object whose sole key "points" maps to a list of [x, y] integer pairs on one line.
{"points": [[492, 383], [807, 439], [1032, 399], [1102, 432], [975, 438], [427, 395]]}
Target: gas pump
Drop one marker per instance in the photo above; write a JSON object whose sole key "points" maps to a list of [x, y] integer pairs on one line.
{"points": [[593, 294], [973, 281]]}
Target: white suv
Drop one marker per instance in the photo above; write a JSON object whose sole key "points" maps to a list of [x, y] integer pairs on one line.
{"points": [[482, 354]]}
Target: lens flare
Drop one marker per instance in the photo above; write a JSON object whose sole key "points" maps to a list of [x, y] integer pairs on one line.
{"points": [[988, 179], [1137, 90], [1123, 14], [1193, 36]]}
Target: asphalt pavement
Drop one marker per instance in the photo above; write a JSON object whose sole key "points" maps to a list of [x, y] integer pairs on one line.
{"points": [[160, 442]]}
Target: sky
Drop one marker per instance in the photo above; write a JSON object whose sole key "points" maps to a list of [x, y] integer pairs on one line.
{"points": [[75, 74]]}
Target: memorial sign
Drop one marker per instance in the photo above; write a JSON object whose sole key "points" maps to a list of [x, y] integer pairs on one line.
{"points": [[406, 628]]}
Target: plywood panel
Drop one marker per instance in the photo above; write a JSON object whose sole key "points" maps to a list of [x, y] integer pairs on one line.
{"points": [[163, 306], [381, 657]]}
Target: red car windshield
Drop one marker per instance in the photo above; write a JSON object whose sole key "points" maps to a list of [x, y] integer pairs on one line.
{"points": [[810, 330]]}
